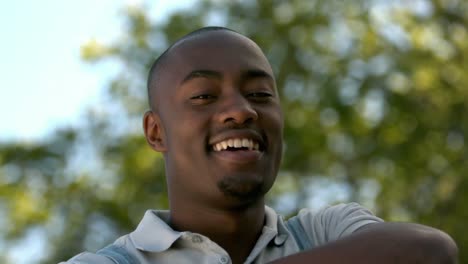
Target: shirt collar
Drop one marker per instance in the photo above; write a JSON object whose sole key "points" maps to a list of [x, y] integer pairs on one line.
{"points": [[274, 223], [272, 233], [155, 235]]}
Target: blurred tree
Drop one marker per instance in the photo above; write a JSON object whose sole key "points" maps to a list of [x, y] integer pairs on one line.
{"points": [[374, 98]]}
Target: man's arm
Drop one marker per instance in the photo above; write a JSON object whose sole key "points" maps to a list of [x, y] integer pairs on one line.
{"points": [[384, 243]]}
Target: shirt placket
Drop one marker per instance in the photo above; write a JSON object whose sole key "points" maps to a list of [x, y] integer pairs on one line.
{"points": [[217, 254]]}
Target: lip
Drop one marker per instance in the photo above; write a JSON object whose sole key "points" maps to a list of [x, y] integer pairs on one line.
{"points": [[239, 156]]}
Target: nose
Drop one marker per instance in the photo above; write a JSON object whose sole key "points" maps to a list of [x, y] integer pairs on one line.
{"points": [[237, 109]]}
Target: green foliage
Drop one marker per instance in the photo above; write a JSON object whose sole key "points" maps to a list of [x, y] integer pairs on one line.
{"points": [[374, 98]]}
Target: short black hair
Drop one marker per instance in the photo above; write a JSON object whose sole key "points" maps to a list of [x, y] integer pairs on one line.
{"points": [[159, 61]]}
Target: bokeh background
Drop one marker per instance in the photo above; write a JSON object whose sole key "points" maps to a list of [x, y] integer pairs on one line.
{"points": [[375, 100]]}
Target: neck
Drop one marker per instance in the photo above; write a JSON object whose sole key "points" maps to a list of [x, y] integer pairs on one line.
{"points": [[224, 226]]}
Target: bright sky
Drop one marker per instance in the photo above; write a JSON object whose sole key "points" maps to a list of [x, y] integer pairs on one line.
{"points": [[44, 83]]}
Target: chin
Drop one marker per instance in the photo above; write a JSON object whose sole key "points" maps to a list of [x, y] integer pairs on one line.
{"points": [[241, 188]]}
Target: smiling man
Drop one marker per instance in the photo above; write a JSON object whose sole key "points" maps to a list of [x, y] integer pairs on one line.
{"points": [[215, 115]]}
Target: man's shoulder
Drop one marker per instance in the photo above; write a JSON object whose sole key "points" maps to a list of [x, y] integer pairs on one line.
{"points": [[341, 211], [335, 221], [88, 258], [122, 246]]}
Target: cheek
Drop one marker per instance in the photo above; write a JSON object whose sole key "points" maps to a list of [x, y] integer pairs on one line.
{"points": [[273, 120], [187, 131], [186, 146], [272, 123]]}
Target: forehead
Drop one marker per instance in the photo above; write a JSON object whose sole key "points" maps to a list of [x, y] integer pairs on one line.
{"points": [[223, 51]]}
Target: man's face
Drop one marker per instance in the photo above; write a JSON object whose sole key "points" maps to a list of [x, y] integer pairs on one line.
{"points": [[221, 119]]}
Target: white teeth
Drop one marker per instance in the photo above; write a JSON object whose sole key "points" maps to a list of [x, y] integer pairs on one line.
{"points": [[236, 143], [245, 143]]}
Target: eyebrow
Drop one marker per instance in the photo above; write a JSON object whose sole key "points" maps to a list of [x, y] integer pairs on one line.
{"points": [[202, 74], [252, 74], [210, 74]]}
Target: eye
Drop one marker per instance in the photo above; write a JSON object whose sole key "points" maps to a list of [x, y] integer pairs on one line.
{"points": [[202, 97], [259, 95]]}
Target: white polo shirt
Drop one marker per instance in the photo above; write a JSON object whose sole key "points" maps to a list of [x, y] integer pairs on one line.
{"points": [[154, 241]]}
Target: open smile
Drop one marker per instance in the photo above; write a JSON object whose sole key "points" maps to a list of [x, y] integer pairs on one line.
{"points": [[237, 144], [239, 147]]}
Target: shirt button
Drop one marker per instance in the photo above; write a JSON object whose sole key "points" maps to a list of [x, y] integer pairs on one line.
{"points": [[197, 239], [224, 260]]}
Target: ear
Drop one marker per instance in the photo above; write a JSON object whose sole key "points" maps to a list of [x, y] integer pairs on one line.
{"points": [[154, 132]]}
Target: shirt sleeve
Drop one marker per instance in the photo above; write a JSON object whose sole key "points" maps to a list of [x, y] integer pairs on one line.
{"points": [[335, 222], [88, 258]]}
